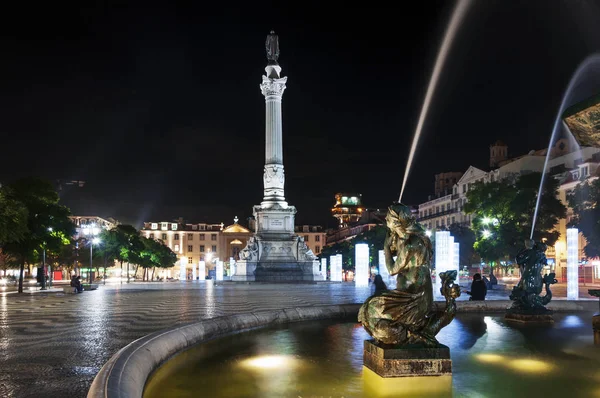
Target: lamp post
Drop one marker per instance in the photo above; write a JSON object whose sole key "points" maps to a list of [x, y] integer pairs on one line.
{"points": [[43, 279], [91, 231], [49, 267]]}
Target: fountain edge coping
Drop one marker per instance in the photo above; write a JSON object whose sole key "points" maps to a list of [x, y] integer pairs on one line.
{"points": [[126, 373]]}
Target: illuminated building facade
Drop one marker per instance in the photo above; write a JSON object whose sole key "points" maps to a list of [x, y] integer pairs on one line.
{"points": [[348, 208]]}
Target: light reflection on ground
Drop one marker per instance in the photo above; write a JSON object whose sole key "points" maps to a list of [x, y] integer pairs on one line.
{"points": [[490, 359]]}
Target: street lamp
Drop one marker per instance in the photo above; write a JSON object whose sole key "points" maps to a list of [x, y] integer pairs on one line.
{"points": [[91, 231], [43, 279]]}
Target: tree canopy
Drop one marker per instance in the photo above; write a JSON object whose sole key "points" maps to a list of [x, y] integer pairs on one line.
{"points": [[373, 237], [584, 200], [503, 213], [48, 223], [13, 217]]}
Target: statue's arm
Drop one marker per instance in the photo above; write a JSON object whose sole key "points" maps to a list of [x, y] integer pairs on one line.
{"points": [[387, 251]]}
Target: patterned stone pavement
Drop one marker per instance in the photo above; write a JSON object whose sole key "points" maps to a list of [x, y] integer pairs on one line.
{"points": [[52, 344]]}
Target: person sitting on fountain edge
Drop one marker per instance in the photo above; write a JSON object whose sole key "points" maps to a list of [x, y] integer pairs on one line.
{"points": [[379, 284], [478, 289]]}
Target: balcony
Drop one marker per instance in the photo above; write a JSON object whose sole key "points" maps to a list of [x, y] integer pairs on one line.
{"points": [[438, 214]]}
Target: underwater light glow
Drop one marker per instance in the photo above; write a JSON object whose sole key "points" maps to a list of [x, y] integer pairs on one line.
{"points": [[269, 362]]}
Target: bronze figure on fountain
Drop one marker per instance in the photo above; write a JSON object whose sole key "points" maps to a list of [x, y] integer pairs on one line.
{"points": [[406, 316], [526, 294]]}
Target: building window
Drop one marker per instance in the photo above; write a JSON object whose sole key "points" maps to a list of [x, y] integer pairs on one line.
{"points": [[317, 249], [305, 228], [190, 236], [429, 226], [584, 171], [443, 208], [176, 237], [194, 227], [201, 248], [317, 238], [154, 225], [176, 248], [164, 226], [202, 227], [214, 249], [164, 236], [174, 226], [202, 237], [437, 209], [464, 188], [437, 223], [306, 238], [453, 220], [201, 258], [151, 236], [190, 260], [190, 248], [213, 236]]}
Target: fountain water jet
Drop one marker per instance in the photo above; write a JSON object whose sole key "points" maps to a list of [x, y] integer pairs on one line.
{"points": [[583, 67], [457, 17]]}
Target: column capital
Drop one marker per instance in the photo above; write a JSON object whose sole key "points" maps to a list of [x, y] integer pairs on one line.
{"points": [[273, 87]]}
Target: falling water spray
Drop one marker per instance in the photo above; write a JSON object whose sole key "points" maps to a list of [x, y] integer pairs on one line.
{"points": [[455, 21], [581, 70]]}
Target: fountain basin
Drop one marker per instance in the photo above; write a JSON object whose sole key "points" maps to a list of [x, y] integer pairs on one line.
{"points": [[127, 372]]}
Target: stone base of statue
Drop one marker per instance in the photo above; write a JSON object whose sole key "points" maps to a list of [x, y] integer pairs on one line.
{"points": [[529, 317], [407, 361], [275, 254], [596, 327]]}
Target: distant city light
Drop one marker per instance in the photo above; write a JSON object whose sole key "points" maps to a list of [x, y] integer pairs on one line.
{"points": [[572, 264], [361, 264]]}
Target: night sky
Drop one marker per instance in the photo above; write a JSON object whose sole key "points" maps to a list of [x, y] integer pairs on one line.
{"points": [[158, 108]]}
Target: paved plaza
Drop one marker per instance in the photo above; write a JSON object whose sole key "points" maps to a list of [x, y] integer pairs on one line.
{"points": [[53, 344]]}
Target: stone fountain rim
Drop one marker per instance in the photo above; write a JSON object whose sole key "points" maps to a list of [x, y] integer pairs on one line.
{"points": [[126, 372]]}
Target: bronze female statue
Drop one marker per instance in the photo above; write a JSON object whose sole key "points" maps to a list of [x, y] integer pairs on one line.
{"points": [[406, 315]]}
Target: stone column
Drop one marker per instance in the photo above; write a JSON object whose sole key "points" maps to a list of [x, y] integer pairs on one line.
{"points": [[272, 88]]}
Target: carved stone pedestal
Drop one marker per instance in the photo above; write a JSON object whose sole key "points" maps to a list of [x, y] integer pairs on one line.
{"points": [[407, 361], [529, 318], [596, 326]]}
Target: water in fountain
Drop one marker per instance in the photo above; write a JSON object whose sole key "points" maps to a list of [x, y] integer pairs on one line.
{"points": [[582, 71], [455, 21]]}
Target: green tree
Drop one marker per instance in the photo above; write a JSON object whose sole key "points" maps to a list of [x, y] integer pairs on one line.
{"points": [[129, 244], [345, 248], [584, 200], [466, 238], [155, 254], [110, 247], [7, 262], [503, 212], [48, 223], [13, 217], [373, 237]]}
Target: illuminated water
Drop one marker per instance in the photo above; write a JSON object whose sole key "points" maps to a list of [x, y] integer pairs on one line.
{"points": [[324, 359], [457, 16], [583, 70]]}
